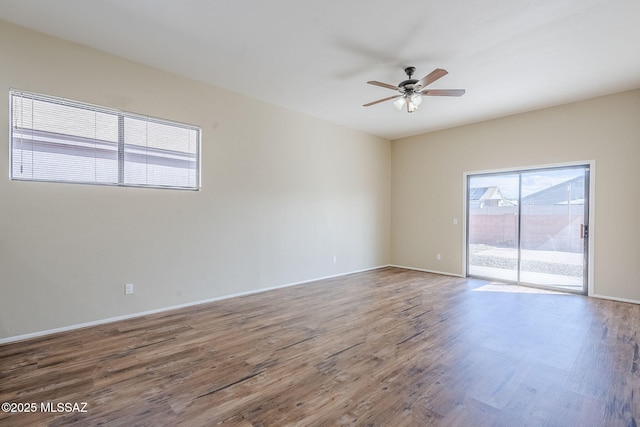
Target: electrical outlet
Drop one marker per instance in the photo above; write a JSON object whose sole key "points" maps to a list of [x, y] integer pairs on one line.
{"points": [[455, 221], [128, 288], [438, 257]]}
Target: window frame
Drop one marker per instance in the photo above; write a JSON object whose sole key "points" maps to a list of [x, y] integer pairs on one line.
{"points": [[121, 116]]}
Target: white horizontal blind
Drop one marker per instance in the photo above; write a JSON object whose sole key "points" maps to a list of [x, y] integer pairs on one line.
{"points": [[54, 139]]}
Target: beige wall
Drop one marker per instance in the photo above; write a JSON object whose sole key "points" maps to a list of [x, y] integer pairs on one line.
{"points": [[282, 194], [427, 182]]}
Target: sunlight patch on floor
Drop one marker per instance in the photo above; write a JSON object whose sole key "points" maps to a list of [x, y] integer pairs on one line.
{"points": [[501, 287]]}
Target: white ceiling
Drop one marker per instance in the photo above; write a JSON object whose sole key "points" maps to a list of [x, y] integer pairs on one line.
{"points": [[316, 57]]}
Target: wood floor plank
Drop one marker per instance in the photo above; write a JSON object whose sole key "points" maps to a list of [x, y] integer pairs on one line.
{"points": [[389, 347]]}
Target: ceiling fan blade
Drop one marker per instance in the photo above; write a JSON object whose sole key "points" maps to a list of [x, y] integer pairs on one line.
{"points": [[382, 100], [443, 92], [388, 86], [431, 77]]}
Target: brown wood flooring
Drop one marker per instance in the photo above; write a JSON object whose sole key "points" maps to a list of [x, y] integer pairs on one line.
{"points": [[389, 347]]}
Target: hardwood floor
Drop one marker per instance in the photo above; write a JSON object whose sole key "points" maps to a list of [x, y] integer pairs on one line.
{"points": [[389, 347]]}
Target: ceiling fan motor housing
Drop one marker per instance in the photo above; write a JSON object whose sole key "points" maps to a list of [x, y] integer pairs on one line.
{"points": [[408, 84]]}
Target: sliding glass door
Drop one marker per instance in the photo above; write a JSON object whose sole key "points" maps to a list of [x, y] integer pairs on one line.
{"points": [[492, 226], [529, 226]]}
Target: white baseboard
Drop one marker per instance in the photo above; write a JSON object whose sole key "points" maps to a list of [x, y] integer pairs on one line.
{"points": [[444, 273], [173, 307], [632, 301]]}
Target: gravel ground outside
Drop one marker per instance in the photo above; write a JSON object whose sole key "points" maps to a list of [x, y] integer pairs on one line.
{"points": [[547, 262]]}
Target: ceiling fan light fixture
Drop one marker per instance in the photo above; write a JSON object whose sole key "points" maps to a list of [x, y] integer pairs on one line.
{"points": [[416, 99], [411, 107], [400, 102]]}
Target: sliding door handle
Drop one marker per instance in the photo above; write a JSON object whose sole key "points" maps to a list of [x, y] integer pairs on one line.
{"points": [[584, 231]]}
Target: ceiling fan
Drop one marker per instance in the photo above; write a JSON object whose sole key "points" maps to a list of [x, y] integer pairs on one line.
{"points": [[412, 90]]}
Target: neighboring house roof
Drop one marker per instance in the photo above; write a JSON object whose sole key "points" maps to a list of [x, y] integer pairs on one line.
{"points": [[478, 195], [571, 191], [485, 193]]}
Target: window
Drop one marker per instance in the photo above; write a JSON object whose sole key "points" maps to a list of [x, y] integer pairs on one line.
{"points": [[54, 139]]}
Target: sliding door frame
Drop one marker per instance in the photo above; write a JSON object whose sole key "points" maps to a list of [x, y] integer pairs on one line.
{"points": [[590, 211]]}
